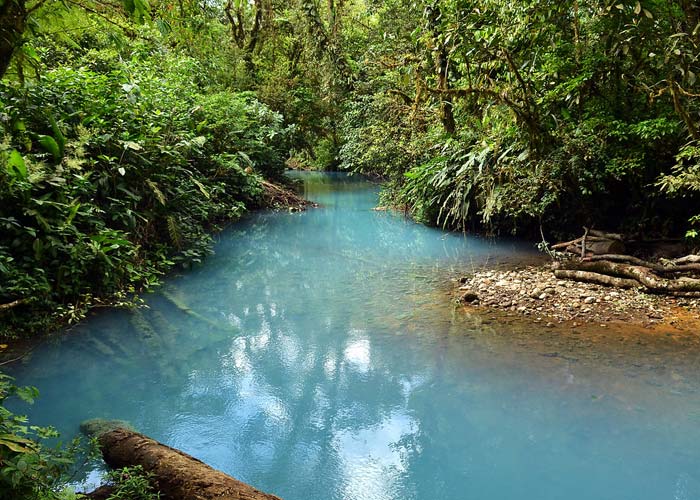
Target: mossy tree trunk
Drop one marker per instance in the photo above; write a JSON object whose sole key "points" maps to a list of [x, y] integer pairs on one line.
{"points": [[13, 17]]}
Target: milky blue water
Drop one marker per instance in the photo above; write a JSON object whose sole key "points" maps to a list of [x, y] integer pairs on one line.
{"points": [[318, 356]]}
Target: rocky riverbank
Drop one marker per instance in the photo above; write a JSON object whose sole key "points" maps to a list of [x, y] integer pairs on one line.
{"points": [[535, 294]]}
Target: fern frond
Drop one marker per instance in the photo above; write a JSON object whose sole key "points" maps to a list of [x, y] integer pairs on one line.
{"points": [[174, 232], [156, 191]]}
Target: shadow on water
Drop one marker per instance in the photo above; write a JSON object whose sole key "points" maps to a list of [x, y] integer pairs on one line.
{"points": [[318, 355]]}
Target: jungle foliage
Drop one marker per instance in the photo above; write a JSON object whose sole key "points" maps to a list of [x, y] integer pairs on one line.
{"points": [[506, 115], [130, 129], [31, 468], [119, 158]]}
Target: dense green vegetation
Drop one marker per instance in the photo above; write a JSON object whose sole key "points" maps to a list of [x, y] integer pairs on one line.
{"points": [[30, 468], [119, 158], [508, 114], [130, 130]]}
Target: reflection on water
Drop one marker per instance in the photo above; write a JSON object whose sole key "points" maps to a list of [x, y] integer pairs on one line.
{"points": [[318, 356]]}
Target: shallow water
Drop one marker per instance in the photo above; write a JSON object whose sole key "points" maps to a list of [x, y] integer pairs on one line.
{"points": [[317, 355]]}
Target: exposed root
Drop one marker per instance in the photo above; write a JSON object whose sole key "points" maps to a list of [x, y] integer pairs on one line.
{"points": [[643, 275], [597, 278]]}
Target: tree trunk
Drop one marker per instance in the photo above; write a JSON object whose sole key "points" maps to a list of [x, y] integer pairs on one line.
{"points": [[13, 15], [177, 474], [442, 70]]}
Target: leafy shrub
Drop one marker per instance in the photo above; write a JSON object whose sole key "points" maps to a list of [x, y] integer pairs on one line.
{"points": [[131, 483], [109, 179], [30, 470]]}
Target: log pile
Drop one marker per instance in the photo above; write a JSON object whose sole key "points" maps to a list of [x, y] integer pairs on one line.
{"points": [[609, 259], [178, 475]]}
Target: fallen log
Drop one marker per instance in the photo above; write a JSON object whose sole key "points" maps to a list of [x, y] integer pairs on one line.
{"points": [[578, 241], [178, 475], [591, 245], [606, 235], [643, 275], [605, 247]]}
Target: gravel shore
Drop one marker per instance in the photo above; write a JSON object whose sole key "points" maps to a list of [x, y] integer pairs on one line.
{"points": [[535, 294]]}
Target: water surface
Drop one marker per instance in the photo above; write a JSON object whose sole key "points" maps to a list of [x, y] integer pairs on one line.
{"points": [[318, 355]]}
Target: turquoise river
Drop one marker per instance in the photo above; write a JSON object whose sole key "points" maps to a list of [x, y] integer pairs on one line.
{"points": [[320, 356]]}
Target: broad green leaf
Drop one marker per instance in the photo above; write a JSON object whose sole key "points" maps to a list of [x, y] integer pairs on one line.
{"points": [[16, 166], [199, 140], [29, 52], [57, 134], [28, 394], [50, 145], [73, 211]]}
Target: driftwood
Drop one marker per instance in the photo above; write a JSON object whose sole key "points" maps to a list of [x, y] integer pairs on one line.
{"points": [[670, 267], [178, 475], [597, 278], [643, 275], [600, 257]]}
